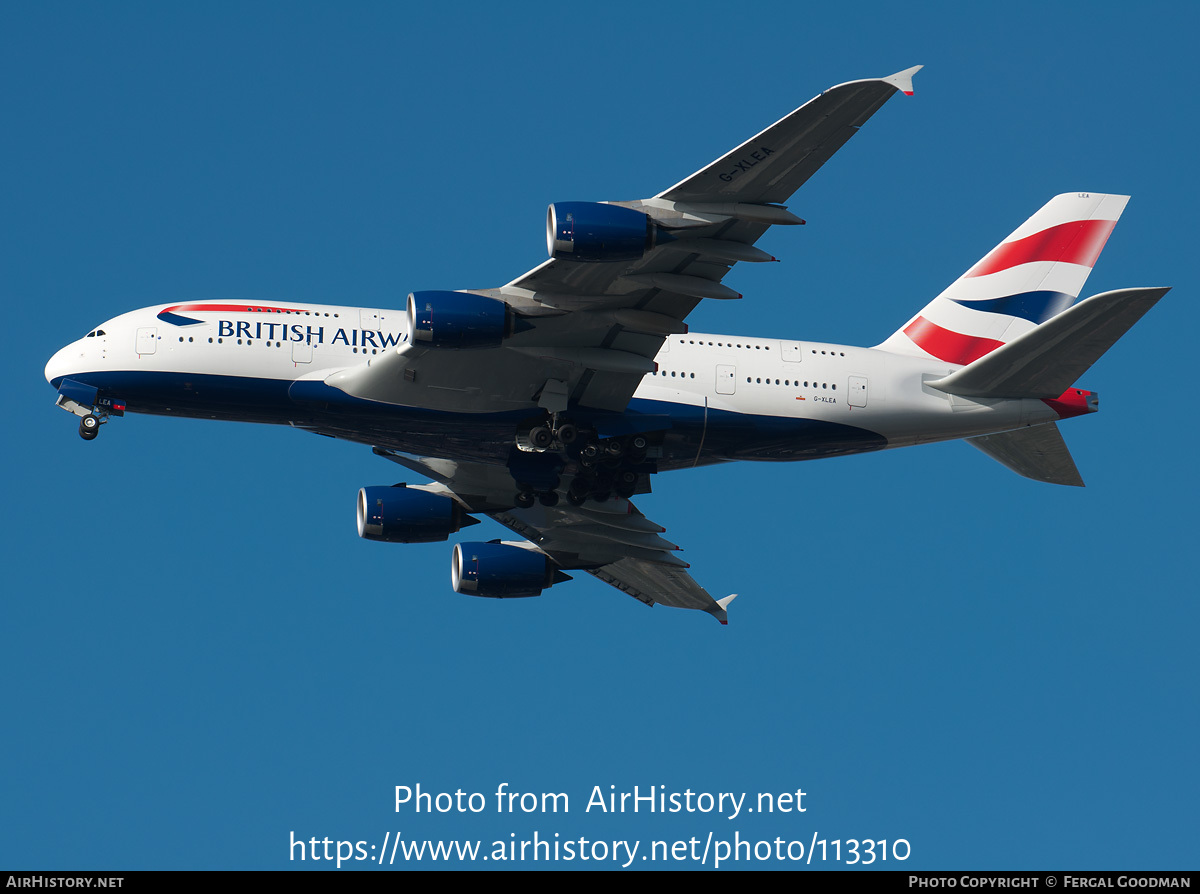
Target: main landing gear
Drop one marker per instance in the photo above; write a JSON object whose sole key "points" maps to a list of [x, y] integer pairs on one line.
{"points": [[546, 435], [527, 495], [604, 467], [608, 467]]}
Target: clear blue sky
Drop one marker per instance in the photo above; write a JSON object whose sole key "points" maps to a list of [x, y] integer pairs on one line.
{"points": [[200, 657]]}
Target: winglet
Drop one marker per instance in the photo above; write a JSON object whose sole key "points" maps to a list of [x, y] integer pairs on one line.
{"points": [[718, 611], [902, 80]]}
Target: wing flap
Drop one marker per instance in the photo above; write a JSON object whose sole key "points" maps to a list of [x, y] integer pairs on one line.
{"points": [[616, 544], [661, 585]]}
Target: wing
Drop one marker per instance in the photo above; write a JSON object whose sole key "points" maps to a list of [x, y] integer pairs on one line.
{"points": [[611, 540], [582, 333]]}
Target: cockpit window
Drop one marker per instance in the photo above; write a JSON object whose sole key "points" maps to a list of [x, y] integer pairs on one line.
{"points": [[94, 333]]}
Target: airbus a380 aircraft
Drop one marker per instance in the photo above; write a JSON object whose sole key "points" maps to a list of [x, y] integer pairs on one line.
{"points": [[547, 403]]}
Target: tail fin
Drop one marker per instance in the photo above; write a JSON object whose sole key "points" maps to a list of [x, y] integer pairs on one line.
{"points": [[1037, 272]]}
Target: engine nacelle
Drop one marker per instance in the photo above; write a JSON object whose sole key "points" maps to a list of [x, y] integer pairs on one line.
{"points": [[501, 571], [457, 320], [408, 515], [593, 231]]}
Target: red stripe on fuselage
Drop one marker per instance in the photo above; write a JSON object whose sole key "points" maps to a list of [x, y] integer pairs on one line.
{"points": [[233, 308], [948, 345], [1078, 242]]}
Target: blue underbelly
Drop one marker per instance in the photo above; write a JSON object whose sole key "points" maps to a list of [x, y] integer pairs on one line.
{"points": [[690, 435]]}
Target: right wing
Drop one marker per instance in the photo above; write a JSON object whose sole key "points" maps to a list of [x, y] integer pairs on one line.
{"points": [[614, 542], [611, 540]]}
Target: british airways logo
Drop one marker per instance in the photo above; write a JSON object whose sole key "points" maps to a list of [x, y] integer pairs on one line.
{"points": [[314, 335], [277, 330]]}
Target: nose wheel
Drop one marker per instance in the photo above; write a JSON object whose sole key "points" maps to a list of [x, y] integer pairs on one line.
{"points": [[89, 427]]}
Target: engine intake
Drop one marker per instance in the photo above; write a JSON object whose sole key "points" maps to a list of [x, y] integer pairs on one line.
{"points": [[501, 571], [594, 231], [403, 514], [457, 320]]}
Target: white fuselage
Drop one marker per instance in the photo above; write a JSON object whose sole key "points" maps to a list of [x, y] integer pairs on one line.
{"points": [[724, 380]]}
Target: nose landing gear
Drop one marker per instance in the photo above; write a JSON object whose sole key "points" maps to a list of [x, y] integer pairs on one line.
{"points": [[89, 427], [92, 408]]}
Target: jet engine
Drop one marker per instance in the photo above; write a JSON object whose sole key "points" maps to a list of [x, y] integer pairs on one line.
{"points": [[457, 320], [402, 514], [593, 231], [501, 570]]}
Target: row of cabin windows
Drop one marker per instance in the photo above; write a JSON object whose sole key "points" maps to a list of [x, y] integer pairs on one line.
{"points": [[790, 382], [278, 344], [721, 344], [756, 380], [277, 310]]}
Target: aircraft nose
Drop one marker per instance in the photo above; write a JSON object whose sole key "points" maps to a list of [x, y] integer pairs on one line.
{"points": [[60, 364]]}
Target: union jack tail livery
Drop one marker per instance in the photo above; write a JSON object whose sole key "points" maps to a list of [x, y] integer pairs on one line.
{"points": [[1034, 274]]}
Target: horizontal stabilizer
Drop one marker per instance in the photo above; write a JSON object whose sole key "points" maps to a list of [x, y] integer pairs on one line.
{"points": [[1047, 360], [1038, 452]]}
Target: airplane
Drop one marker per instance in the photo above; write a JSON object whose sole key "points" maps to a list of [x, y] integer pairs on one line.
{"points": [[549, 403]]}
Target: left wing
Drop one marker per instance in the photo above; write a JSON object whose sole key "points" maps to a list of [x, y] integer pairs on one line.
{"points": [[611, 540], [577, 334], [582, 329]]}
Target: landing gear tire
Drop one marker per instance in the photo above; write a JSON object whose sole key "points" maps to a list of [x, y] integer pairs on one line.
{"points": [[567, 433], [576, 499], [541, 437], [548, 498], [625, 484], [524, 499], [89, 427]]}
